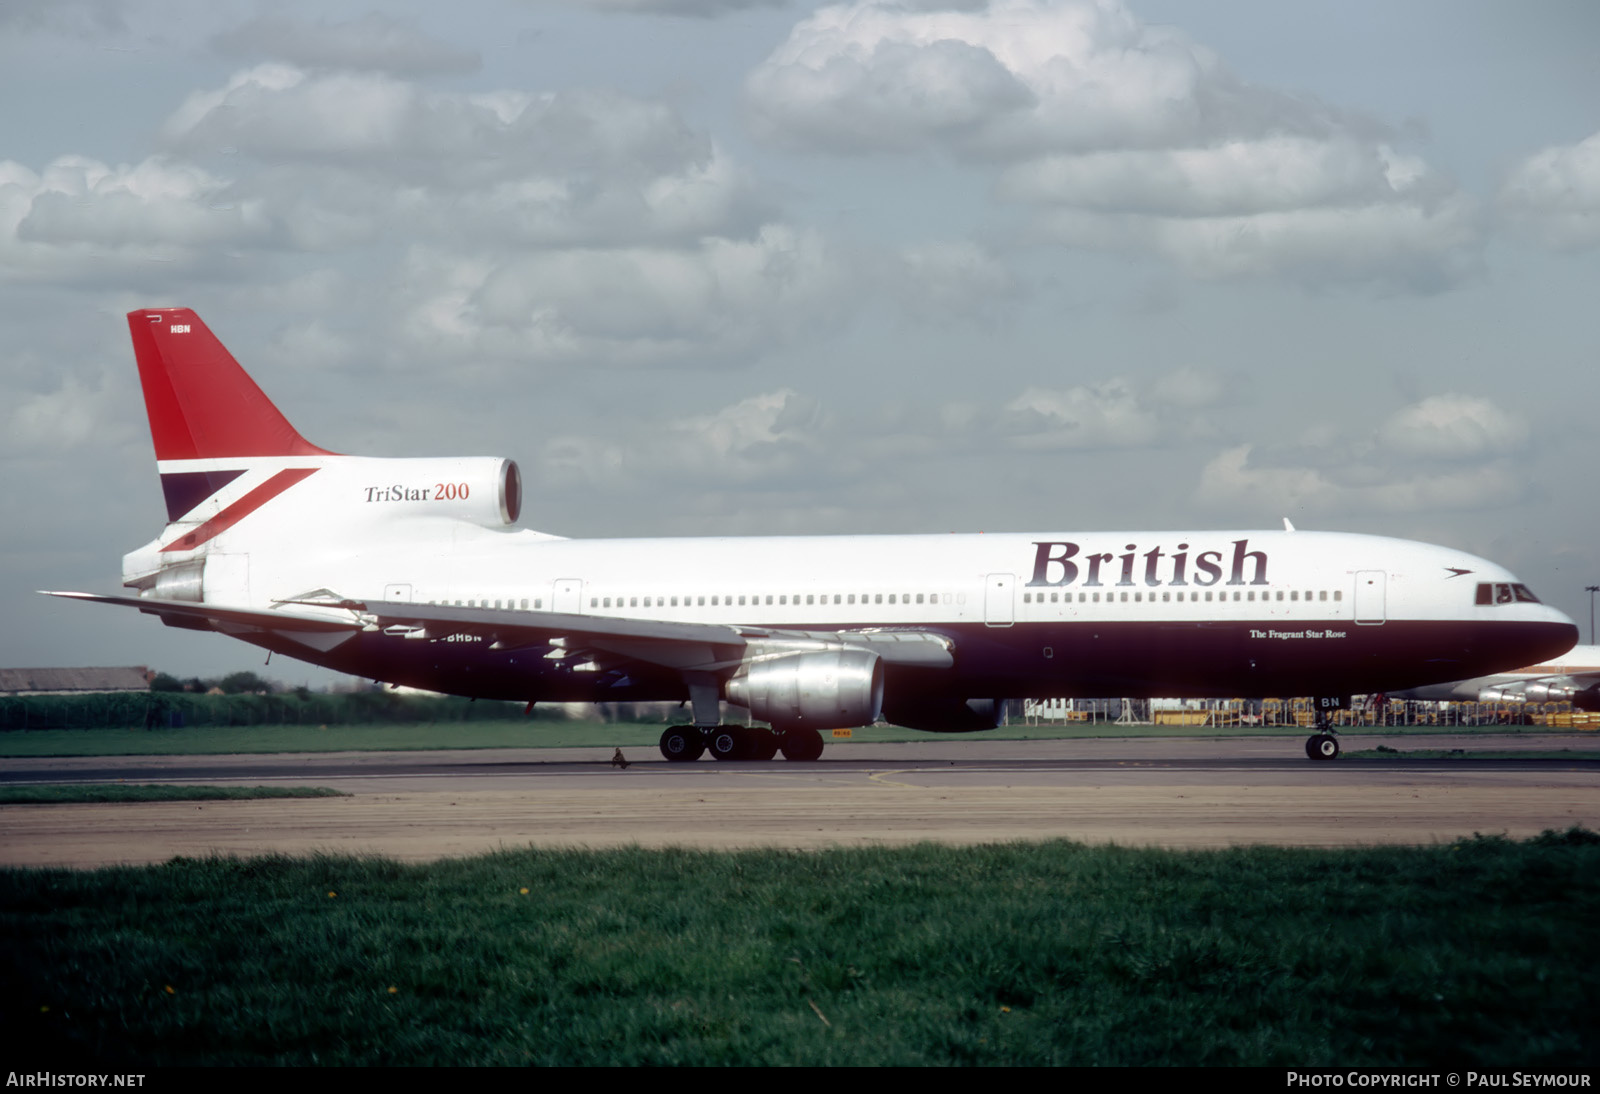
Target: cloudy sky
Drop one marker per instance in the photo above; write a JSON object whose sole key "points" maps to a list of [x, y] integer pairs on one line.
{"points": [[746, 266]]}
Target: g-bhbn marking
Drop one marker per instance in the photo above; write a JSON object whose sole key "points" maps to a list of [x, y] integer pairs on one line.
{"points": [[1207, 565]]}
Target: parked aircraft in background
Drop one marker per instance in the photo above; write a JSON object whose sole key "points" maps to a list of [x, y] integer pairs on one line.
{"points": [[411, 571], [1572, 678]]}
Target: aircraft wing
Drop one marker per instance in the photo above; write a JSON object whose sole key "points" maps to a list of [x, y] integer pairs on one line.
{"points": [[1574, 681], [1581, 689], [689, 647]]}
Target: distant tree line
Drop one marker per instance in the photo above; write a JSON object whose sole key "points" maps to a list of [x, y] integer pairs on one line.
{"points": [[235, 683]]}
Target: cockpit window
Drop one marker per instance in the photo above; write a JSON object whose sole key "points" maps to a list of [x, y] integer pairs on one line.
{"points": [[1502, 593]]}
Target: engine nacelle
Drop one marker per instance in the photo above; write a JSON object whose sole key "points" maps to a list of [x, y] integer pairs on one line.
{"points": [[946, 715], [483, 490], [1544, 691], [822, 689]]}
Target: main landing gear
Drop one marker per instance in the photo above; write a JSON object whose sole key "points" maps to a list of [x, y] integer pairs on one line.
{"points": [[1322, 746], [682, 744]]}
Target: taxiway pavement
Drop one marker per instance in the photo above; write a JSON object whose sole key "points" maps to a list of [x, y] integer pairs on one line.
{"points": [[1188, 792]]}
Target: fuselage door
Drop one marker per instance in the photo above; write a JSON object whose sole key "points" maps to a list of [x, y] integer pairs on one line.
{"points": [[999, 598], [1370, 597], [568, 596]]}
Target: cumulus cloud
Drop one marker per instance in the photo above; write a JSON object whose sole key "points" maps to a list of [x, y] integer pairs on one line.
{"points": [[75, 414], [1455, 427], [706, 306], [701, 9], [1112, 413], [782, 438], [77, 18], [770, 436], [375, 42], [1119, 135], [1232, 479], [1443, 452], [1554, 195], [950, 279], [352, 154], [1106, 415], [82, 218]]}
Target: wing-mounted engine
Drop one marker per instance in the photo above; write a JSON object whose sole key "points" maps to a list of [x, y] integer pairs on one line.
{"points": [[831, 688]]}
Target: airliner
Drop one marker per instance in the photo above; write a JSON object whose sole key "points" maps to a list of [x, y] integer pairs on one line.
{"points": [[414, 572]]}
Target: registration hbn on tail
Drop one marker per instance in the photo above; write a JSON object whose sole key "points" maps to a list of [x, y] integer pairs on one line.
{"points": [[413, 571]]}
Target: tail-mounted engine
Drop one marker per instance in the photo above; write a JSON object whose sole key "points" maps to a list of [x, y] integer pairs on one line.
{"points": [[485, 491]]}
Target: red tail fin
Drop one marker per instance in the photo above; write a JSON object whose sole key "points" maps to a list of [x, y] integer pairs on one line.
{"points": [[200, 402]]}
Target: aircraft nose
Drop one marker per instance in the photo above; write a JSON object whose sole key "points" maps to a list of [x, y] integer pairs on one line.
{"points": [[1562, 633]]}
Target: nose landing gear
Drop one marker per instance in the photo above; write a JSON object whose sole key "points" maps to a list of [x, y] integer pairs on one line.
{"points": [[1322, 746]]}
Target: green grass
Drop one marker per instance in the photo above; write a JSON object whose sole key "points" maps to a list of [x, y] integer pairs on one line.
{"points": [[410, 736], [1476, 954], [123, 792]]}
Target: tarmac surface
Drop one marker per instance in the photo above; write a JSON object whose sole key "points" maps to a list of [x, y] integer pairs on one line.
{"points": [[1181, 793]]}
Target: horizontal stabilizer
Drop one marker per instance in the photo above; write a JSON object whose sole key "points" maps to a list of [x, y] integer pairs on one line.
{"points": [[203, 613]]}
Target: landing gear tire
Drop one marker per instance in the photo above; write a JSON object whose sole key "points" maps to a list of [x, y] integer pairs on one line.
{"points": [[803, 745], [763, 744], [1322, 746], [682, 744], [728, 743]]}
